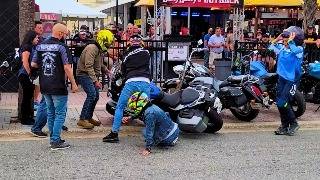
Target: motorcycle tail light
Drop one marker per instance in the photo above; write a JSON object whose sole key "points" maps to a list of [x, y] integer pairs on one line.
{"points": [[256, 90]]}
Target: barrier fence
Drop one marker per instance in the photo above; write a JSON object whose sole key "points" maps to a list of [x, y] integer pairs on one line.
{"points": [[160, 65]]}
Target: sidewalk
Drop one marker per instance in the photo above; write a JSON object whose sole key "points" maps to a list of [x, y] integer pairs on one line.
{"points": [[266, 118]]}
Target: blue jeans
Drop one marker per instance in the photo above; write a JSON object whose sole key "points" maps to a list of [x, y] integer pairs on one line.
{"points": [[57, 110], [206, 58], [41, 118], [92, 97], [285, 90], [127, 91]]}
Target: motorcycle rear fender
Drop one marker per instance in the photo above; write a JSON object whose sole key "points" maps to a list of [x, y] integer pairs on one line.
{"points": [[252, 95]]}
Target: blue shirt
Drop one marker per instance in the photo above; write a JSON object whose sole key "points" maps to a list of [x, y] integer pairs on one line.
{"points": [[158, 125], [214, 40], [289, 60], [207, 38]]}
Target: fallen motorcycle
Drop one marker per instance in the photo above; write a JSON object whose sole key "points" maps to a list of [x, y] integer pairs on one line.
{"points": [[195, 109]]}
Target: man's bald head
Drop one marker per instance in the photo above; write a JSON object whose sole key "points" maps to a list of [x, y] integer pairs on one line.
{"points": [[59, 31]]}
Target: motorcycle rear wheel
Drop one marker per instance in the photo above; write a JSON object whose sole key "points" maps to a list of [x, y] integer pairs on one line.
{"points": [[298, 104], [215, 121], [247, 113]]}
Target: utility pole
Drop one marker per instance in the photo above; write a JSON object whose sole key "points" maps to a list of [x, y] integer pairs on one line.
{"points": [[117, 12]]}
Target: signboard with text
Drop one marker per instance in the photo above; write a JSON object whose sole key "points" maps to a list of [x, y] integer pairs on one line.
{"points": [[50, 16], [178, 51], [202, 3]]}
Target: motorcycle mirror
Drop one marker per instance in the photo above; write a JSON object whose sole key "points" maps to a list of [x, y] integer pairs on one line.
{"points": [[200, 42], [5, 64]]}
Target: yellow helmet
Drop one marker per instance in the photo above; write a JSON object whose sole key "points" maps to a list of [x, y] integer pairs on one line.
{"points": [[105, 39]]}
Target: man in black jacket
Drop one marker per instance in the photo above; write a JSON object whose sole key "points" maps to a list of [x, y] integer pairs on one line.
{"points": [[136, 71]]}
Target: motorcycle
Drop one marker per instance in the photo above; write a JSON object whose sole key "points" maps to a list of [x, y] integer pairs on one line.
{"points": [[236, 93], [4, 67], [3, 70], [195, 109], [268, 84], [310, 82]]}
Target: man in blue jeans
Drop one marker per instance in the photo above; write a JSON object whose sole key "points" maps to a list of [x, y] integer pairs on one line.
{"points": [[136, 72], [88, 72], [160, 130], [41, 120], [52, 58]]}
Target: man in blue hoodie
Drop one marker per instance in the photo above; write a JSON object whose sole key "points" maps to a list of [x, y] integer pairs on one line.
{"points": [[290, 55]]}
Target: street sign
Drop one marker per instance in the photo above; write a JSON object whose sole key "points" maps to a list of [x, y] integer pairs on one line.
{"points": [[137, 22]]}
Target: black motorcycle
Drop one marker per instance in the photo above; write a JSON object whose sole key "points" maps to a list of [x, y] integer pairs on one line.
{"points": [[310, 85], [268, 85], [237, 93], [195, 109]]}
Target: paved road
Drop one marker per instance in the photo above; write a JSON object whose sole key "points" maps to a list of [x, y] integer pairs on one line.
{"points": [[246, 155]]}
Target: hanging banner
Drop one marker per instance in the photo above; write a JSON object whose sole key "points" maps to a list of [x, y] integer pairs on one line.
{"points": [[201, 3]]}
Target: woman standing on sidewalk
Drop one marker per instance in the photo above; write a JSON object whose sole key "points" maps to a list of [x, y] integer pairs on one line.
{"points": [[26, 52]]}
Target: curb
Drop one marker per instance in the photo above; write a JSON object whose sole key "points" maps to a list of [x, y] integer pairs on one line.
{"points": [[253, 126]]}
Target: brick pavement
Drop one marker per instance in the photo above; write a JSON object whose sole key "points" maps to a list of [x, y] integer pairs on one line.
{"points": [[9, 103]]}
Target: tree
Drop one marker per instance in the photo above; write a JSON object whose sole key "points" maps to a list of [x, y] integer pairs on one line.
{"points": [[309, 12], [26, 23]]}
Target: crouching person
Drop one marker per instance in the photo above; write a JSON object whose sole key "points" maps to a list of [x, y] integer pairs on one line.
{"points": [[160, 129]]}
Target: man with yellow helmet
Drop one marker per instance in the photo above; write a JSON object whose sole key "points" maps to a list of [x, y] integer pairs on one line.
{"points": [[88, 71]]}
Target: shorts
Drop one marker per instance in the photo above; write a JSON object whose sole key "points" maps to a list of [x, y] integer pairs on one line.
{"points": [[213, 56], [36, 82]]}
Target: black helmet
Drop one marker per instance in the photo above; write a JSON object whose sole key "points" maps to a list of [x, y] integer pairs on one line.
{"points": [[299, 34]]}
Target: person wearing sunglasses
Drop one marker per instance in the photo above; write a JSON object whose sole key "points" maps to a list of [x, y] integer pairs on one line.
{"points": [[88, 73]]}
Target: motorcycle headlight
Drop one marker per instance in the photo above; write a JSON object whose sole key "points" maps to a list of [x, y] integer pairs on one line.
{"points": [[178, 69], [119, 82]]}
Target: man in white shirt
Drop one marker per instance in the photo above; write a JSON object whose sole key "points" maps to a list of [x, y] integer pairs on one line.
{"points": [[216, 44]]}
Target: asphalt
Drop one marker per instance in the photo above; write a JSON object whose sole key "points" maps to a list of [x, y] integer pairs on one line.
{"points": [[227, 155]]}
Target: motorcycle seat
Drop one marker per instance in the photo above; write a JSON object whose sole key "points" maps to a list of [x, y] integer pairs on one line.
{"points": [[270, 76], [223, 84], [237, 79], [172, 100], [189, 95]]}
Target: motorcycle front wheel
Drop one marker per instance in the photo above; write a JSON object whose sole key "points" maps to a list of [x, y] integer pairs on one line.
{"points": [[245, 113], [215, 121]]}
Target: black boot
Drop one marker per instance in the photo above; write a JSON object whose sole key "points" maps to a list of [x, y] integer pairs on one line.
{"points": [[111, 138], [283, 129]]}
